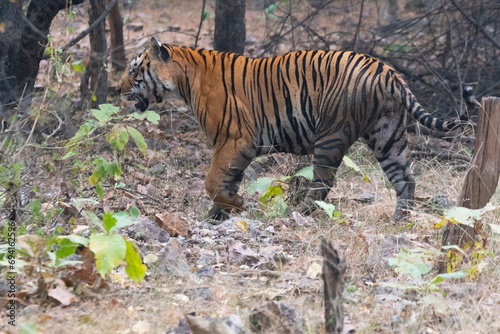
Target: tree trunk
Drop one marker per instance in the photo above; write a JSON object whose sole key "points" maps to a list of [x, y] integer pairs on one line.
{"points": [[21, 48], [229, 33], [96, 74], [480, 181], [118, 60]]}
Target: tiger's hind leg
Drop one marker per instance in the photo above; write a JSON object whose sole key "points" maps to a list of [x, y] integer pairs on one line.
{"points": [[388, 140], [223, 180], [328, 154]]}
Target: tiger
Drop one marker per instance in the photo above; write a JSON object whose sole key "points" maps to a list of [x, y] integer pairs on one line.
{"points": [[304, 102]]}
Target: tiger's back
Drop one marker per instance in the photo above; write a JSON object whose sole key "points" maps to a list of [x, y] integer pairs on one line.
{"points": [[304, 102]]}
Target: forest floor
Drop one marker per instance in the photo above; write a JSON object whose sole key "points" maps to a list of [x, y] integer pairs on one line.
{"points": [[263, 255]]}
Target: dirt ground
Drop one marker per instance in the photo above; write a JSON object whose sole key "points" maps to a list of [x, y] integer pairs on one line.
{"points": [[223, 270]]}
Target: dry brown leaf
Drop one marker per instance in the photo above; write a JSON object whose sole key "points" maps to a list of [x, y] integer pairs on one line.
{"points": [[174, 224], [62, 295], [31, 244]]}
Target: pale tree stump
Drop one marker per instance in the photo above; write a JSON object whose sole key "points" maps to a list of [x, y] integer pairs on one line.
{"points": [[482, 177], [333, 275]]}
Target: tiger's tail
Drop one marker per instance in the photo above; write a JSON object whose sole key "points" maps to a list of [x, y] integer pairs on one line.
{"points": [[425, 118]]}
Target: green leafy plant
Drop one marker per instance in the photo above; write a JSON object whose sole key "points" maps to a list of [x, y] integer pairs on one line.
{"points": [[117, 134], [414, 264], [110, 248], [476, 250], [274, 190]]}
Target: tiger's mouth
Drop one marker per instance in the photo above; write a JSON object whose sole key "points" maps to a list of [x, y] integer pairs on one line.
{"points": [[142, 103]]}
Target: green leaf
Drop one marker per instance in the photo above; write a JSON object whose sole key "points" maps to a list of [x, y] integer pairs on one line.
{"points": [[17, 167], [205, 15], [99, 191], [349, 163], [260, 185], [35, 206], [411, 263], [66, 248], [124, 218], [94, 219], [134, 212], [467, 216], [150, 115], [272, 192], [109, 251], [109, 221], [139, 139], [28, 328], [134, 268], [69, 154], [456, 275], [75, 239], [306, 172], [329, 208], [114, 169], [438, 303], [105, 111]]}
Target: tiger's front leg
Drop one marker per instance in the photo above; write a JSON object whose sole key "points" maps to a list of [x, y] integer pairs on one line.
{"points": [[224, 178]]}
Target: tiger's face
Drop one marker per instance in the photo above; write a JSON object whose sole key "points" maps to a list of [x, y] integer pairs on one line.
{"points": [[148, 77]]}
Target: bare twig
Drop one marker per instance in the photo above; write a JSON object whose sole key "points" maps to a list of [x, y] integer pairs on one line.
{"points": [[58, 127], [358, 27], [89, 29], [474, 22], [139, 193], [291, 30], [201, 22]]}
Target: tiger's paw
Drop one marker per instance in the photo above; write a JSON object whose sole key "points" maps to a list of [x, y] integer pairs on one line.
{"points": [[218, 214]]}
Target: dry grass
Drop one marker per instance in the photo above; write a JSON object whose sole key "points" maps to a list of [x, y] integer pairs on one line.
{"points": [[472, 305]]}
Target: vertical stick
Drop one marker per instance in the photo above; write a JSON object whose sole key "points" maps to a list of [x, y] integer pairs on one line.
{"points": [[333, 274]]}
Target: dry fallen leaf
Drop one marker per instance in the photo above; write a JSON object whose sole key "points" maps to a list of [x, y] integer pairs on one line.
{"points": [[242, 225], [174, 224], [62, 295], [31, 244]]}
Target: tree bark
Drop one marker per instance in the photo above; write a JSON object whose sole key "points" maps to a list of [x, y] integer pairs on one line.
{"points": [[21, 48], [94, 83], [480, 181], [229, 32], [118, 60]]}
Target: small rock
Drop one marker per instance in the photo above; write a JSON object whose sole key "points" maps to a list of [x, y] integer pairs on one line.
{"points": [[299, 219], [242, 254], [172, 260], [157, 169], [275, 317], [147, 230], [203, 293], [368, 197], [205, 272], [442, 200], [181, 297], [270, 229], [174, 224], [314, 270]]}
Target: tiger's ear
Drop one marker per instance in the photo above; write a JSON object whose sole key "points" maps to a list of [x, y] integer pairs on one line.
{"points": [[158, 51]]}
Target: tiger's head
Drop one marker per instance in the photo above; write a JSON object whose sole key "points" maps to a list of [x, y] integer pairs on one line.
{"points": [[148, 77]]}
